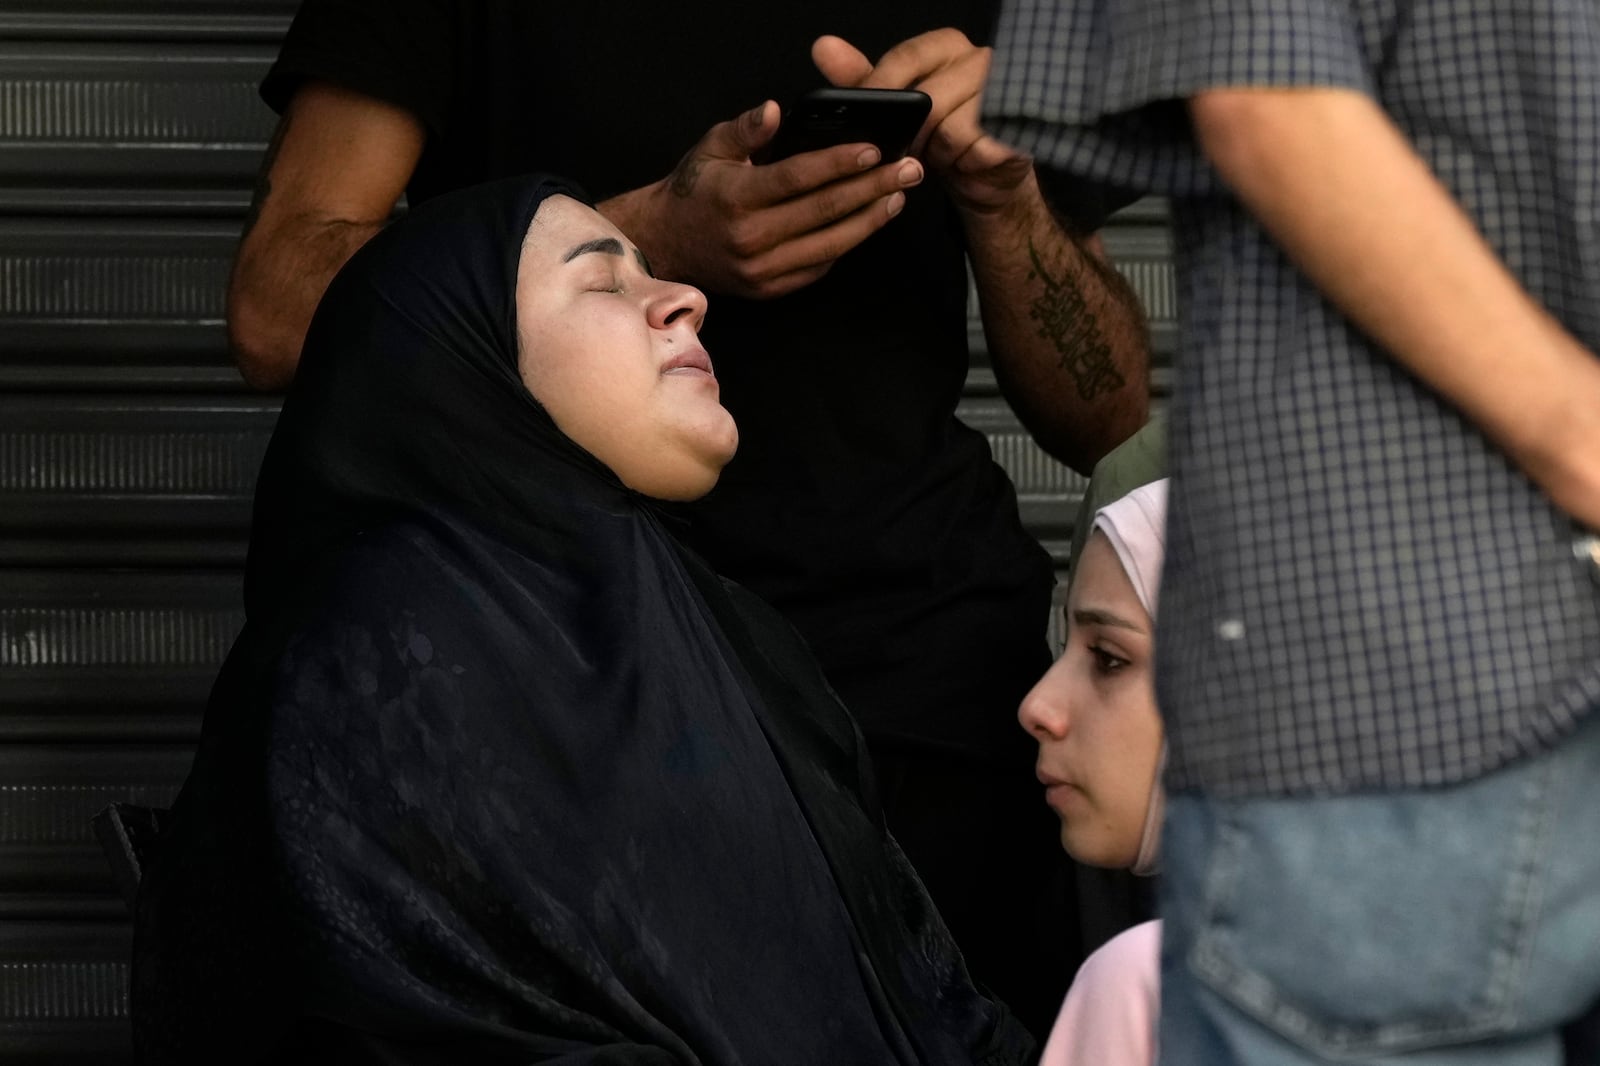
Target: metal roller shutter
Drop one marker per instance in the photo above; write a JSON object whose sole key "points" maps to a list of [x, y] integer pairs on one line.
{"points": [[129, 134]]}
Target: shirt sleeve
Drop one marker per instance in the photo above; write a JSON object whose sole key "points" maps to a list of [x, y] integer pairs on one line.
{"points": [[1109, 1017], [1082, 205], [397, 51], [1097, 87]]}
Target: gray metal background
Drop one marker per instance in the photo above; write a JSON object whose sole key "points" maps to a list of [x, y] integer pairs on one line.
{"points": [[129, 135]]}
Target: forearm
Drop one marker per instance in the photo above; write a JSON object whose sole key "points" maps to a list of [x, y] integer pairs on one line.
{"points": [[1352, 204], [1066, 334], [278, 279], [336, 165]]}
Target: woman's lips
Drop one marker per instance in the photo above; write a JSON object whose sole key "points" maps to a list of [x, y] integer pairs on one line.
{"points": [[1056, 789], [1061, 796], [695, 360]]}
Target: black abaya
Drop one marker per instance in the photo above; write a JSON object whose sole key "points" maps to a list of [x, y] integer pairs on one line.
{"points": [[497, 771]]}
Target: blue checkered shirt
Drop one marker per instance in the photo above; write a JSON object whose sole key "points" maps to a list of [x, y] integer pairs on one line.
{"points": [[1361, 592]]}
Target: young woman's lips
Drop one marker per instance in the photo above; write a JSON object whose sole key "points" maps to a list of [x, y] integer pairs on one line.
{"points": [[1061, 796], [1056, 789], [695, 360]]}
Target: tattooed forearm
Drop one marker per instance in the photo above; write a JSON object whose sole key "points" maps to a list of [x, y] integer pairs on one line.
{"points": [[263, 176], [1066, 321]]}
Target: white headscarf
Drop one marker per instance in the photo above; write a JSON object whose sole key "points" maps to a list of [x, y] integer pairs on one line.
{"points": [[1136, 526]]}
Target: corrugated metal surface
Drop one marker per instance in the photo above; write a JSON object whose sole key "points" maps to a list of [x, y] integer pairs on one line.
{"points": [[129, 135]]}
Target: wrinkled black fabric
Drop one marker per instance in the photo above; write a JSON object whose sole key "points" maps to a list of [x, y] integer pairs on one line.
{"points": [[497, 771]]}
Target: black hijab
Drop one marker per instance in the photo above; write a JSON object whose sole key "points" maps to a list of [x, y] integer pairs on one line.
{"points": [[497, 771]]}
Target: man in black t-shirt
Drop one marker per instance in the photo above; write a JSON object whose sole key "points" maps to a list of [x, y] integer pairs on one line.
{"points": [[858, 504]]}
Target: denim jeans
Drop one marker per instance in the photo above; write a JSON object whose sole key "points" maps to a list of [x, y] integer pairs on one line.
{"points": [[1443, 927]]}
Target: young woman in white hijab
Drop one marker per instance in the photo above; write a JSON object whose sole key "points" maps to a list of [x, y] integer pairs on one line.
{"points": [[1101, 749]]}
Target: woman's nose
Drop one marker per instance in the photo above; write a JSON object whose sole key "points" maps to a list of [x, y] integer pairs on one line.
{"points": [[1043, 712], [676, 303]]}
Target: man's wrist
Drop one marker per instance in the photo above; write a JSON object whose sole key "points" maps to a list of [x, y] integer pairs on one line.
{"points": [[1020, 206]]}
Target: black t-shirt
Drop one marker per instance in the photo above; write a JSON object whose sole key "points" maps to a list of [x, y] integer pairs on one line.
{"points": [[858, 504]]}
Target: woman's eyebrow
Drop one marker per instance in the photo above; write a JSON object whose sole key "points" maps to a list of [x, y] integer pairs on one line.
{"points": [[1095, 616], [604, 245]]}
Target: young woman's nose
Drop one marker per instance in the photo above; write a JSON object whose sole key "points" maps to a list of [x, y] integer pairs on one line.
{"points": [[674, 303], [1043, 712]]}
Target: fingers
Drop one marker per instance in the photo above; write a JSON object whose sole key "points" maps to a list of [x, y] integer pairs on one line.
{"points": [[905, 66], [735, 140], [954, 88], [763, 230], [942, 63], [798, 262], [913, 61], [791, 243], [841, 62], [822, 207], [809, 171]]}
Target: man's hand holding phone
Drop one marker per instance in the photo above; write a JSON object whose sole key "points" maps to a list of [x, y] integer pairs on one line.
{"points": [[728, 225], [981, 173]]}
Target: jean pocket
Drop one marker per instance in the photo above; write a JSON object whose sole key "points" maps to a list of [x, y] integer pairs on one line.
{"points": [[1367, 925]]}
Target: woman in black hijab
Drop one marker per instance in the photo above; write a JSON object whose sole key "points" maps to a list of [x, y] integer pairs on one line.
{"points": [[497, 771]]}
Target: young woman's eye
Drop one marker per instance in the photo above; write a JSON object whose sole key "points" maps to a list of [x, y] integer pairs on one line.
{"points": [[1105, 661]]}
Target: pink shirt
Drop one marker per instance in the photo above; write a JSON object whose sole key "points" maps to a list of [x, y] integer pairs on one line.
{"points": [[1109, 1016]]}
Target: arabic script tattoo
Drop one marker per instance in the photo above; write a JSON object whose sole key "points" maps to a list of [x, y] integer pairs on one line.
{"points": [[1066, 321]]}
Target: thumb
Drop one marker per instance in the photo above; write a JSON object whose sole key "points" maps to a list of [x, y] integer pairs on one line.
{"points": [[841, 62], [741, 137]]}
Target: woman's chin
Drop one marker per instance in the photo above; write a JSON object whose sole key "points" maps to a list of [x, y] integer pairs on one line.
{"points": [[1094, 849], [687, 482], [721, 438]]}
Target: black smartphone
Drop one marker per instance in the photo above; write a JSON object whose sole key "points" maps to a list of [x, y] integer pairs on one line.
{"points": [[887, 118]]}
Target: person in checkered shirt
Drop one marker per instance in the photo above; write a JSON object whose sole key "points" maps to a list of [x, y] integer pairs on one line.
{"points": [[1380, 626]]}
